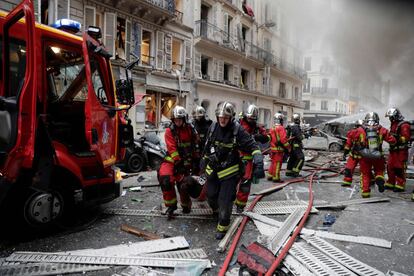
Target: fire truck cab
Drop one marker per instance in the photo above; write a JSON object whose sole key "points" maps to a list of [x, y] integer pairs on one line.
{"points": [[61, 123]]}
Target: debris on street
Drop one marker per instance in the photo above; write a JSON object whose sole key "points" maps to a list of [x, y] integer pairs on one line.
{"points": [[140, 233]]}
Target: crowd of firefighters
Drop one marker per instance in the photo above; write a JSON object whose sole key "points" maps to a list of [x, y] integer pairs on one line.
{"points": [[225, 156]]}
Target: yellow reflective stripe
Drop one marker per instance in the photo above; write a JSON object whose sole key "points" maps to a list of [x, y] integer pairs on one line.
{"points": [[277, 171], [224, 145], [222, 228], [172, 201], [174, 154], [389, 185], [379, 177], [347, 182], [169, 159], [286, 144], [184, 144], [296, 169], [209, 170], [256, 152], [402, 139], [247, 157], [239, 203], [366, 193], [295, 145], [228, 171], [361, 137], [399, 187]]}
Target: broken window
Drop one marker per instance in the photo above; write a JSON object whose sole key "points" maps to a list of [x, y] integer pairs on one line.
{"points": [[244, 79], [282, 90], [204, 67], [146, 58], [227, 72], [177, 54]]}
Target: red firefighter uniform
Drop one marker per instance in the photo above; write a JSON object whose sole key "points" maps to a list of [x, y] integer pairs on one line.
{"points": [[181, 146], [278, 144], [260, 135], [352, 146], [397, 161], [377, 163]]}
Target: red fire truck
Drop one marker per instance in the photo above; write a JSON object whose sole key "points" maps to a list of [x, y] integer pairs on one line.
{"points": [[61, 120]]}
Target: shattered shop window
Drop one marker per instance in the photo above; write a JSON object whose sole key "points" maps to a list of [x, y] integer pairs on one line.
{"points": [[120, 39]]}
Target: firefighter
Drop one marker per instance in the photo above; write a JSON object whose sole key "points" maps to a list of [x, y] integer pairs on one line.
{"points": [[352, 147], [397, 160], [296, 156], [182, 147], [372, 137], [201, 124], [249, 123], [222, 163], [278, 145]]}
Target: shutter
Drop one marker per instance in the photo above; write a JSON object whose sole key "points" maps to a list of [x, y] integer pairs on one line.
{"points": [[168, 52], [109, 32], [252, 76], [89, 17], [226, 26], [128, 26], [220, 70], [187, 62], [197, 64], [214, 73], [63, 9], [136, 39], [160, 51], [236, 75], [240, 37]]}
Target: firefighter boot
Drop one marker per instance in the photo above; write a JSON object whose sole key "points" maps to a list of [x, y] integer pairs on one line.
{"points": [[170, 211], [239, 209], [380, 182], [186, 209], [220, 235]]}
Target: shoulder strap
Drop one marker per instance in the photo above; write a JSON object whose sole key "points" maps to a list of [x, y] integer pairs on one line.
{"points": [[211, 136]]}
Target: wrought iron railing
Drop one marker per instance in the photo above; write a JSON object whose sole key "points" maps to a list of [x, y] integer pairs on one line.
{"points": [[168, 5]]}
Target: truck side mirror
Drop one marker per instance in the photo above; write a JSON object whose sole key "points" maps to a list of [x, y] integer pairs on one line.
{"points": [[125, 92]]}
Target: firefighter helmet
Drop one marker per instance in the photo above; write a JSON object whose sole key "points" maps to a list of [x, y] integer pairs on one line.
{"points": [[198, 112], [371, 119], [225, 109], [394, 114], [359, 123], [179, 112], [296, 118], [252, 112], [278, 118]]}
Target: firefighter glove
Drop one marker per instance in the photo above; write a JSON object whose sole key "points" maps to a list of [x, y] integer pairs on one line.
{"points": [[258, 170]]}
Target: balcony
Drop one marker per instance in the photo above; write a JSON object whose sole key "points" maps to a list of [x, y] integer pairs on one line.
{"points": [[157, 11], [224, 39]]}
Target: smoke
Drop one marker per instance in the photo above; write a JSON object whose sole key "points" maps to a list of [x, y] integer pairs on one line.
{"points": [[372, 41]]}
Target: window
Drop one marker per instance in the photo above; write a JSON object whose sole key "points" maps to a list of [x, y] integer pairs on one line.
{"points": [[158, 107], [325, 83], [146, 57], [17, 66], [52, 10], [307, 105], [306, 88], [177, 60], [282, 90], [121, 39], [204, 67], [227, 70], [308, 64], [296, 93], [244, 79], [324, 105]]}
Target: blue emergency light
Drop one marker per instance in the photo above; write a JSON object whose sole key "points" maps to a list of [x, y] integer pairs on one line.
{"points": [[67, 25]]}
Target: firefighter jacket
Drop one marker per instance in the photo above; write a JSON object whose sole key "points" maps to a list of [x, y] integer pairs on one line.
{"points": [[295, 136], [222, 149], [182, 144], [257, 132], [354, 141], [202, 126], [401, 131], [278, 139], [382, 134]]}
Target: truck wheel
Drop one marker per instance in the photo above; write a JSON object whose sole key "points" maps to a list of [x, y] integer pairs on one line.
{"points": [[135, 163], [335, 147], [42, 208]]}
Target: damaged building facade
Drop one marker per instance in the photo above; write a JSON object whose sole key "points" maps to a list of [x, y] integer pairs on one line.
{"points": [[194, 52]]}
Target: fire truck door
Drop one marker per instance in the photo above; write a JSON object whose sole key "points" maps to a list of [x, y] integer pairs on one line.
{"points": [[18, 85], [100, 121]]}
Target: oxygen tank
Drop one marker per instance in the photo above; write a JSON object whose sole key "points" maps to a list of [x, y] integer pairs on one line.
{"points": [[372, 151]]}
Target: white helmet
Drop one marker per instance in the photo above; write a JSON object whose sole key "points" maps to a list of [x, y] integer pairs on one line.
{"points": [[225, 109], [394, 114], [371, 119], [278, 118], [252, 112], [199, 111], [178, 112], [296, 118]]}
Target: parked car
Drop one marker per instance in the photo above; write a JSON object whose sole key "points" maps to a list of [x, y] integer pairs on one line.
{"points": [[320, 140]]}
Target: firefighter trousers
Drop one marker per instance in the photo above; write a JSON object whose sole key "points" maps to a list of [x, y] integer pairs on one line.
{"points": [[366, 166], [220, 195], [396, 168], [243, 189], [350, 166], [187, 188], [295, 163], [275, 166]]}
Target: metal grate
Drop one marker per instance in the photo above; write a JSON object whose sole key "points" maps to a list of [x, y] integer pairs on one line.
{"points": [[99, 260], [341, 257], [180, 254], [295, 267], [47, 269], [352, 202]]}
